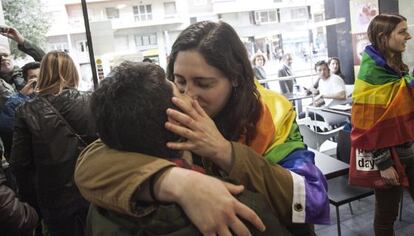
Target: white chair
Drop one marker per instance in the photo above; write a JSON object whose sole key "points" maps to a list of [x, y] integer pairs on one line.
{"points": [[318, 140], [330, 118]]}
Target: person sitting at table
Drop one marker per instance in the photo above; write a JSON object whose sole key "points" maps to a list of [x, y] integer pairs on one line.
{"points": [[331, 87], [335, 67]]}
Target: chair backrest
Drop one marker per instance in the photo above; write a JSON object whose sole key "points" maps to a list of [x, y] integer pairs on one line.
{"points": [[343, 150], [312, 138]]}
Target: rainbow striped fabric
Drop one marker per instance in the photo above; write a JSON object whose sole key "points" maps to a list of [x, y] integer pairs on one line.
{"points": [[278, 139], [383, 105]]}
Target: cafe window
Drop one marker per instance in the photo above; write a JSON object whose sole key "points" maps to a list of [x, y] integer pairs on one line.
{"points": [[170, 8], [142, 12], [112, 13]]}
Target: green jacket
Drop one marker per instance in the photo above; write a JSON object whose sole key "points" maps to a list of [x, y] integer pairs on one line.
{"points": [[170, 220]]}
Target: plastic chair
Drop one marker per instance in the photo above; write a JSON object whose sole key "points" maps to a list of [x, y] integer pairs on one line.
{"points": [[318, 140], [339, 191]]}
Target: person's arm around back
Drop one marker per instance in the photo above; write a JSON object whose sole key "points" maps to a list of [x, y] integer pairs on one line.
{"points": [[115, 180]]}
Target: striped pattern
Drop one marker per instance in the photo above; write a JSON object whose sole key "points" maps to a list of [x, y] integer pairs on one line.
{"points": [[276, 143], [278, 139], [383, 108]]}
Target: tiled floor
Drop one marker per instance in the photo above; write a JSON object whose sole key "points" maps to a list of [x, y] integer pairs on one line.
{"points": [[360, 224]]}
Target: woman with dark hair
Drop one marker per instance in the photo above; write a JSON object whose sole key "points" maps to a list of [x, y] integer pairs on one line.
{"points": [[234, 127], [382, 114], [50, 131], [335, 67]]}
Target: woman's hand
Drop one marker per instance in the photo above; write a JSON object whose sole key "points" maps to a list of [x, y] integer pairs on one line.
{"points": [[207, 201], [201, 134], [390, 176]]}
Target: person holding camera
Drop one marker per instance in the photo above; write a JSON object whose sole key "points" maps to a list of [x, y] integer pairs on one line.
{"points": [[8, 71]]}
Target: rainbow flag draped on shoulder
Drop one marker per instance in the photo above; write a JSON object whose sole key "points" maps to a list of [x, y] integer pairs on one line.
{"points": [[278, 139], [383, 105]]}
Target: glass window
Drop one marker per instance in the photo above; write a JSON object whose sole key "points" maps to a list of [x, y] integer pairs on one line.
{"points": [[112, 13], [145, 40], [269, 16], [142, 12], [169, 8]]}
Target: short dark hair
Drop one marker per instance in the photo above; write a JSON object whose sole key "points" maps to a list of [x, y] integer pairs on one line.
{"points": [[147, 60], [129, 109], [320, 63], [29, 66]]}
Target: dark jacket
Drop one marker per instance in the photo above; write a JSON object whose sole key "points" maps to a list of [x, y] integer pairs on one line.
{"points": [[45, 150], [286, 86], [170, 220], [16, 217], [15, 78]]}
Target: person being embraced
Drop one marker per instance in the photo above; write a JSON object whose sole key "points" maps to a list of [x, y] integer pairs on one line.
{"points": [[235, 128]]}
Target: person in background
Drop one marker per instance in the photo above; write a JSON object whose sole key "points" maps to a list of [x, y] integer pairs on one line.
{"points": [[331, 88], [335, 67], [49, 133], [226, 127], [286, 86], [16, 217], [31, 71], [138, 94], [8, 71], [382, 114], [258, 62]]}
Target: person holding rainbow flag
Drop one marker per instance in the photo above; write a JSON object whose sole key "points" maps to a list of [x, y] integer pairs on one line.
{"points": [[382, 117], [233, 127]]}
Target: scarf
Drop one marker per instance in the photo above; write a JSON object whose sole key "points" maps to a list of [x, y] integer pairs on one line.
{"points": [[383, 109], [279, 141]]}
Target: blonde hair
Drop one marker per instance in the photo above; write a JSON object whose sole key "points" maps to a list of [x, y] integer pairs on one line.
{"points": [[57, 72]]}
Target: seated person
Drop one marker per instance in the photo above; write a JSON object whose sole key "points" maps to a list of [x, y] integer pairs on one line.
{"points": [[331, 87], [133, 99]]}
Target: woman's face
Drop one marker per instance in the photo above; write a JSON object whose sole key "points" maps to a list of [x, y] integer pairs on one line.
{"points": [[398, 38], [205, 83], [259, 61], [334, 66]]}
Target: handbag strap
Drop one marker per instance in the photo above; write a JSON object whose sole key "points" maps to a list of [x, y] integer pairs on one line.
{"points": [[64, 120]]}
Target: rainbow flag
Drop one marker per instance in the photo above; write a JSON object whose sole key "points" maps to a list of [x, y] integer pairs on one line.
{"points": [[278, 139], [383, 105]]}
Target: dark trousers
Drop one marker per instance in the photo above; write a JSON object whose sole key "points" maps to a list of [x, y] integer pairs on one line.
{"points": [[67, 221], [387, 202]]}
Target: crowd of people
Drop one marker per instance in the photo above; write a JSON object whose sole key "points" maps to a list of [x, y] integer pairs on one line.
{"points": [[199, 149]]}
